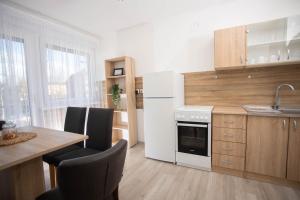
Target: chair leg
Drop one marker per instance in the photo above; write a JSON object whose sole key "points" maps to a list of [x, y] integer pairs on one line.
{"points": [[52, 171], [116, 193]]}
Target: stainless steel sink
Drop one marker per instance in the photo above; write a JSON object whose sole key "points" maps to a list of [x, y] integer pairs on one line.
{"points": [[290, 110], [269, 109], [262, 109]]}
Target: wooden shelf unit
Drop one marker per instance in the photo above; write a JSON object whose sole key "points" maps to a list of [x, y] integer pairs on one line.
{"points": [[124, 124]]}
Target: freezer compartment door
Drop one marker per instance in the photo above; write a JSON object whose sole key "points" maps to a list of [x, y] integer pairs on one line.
{"points": [[159, 84], [159, 129]]}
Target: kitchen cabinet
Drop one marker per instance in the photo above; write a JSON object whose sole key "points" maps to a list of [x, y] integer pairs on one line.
{"points": [[230, 162], [229, 134], [267, 145], [275, 42], [229, 137], [230, 48], [229, 121], [293, 164], [229, 148]]}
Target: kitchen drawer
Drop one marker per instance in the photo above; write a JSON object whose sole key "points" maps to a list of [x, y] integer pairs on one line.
{"points": [[231, 162], [229, 121], [229, 135], [229, 148]]}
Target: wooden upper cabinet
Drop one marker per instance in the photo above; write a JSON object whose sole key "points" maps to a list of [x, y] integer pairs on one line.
{"points": [[293, 166], [267, 145], [230, 48]]}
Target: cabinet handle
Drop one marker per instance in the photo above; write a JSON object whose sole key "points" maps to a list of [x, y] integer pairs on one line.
{"points": [[295, 124], [226, 161], [228, 122], [227, 149], [226, 135], [284, 123], [241, 59]]}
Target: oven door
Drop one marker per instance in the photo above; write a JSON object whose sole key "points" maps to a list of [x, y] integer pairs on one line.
{"points": [[193, 138]]}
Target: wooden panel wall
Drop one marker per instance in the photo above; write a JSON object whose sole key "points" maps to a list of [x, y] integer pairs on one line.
{"points": [[237, 87], [139, 97], [240, 87]]}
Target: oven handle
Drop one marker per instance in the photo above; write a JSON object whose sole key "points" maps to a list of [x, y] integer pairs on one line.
{"points": [[192, 125]]}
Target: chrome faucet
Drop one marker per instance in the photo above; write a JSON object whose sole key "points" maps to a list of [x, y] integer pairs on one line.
{"points": [[277, 97]]}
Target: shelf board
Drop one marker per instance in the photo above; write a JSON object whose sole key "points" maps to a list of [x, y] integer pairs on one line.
{"points": [[114, 77], [120, 127], [290, 62], [118, 59], [123, 95], [272, 43]]}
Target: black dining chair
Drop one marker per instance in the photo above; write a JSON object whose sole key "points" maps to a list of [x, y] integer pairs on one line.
{"points": [[94, 177], [1, 124], [74, 122], [99, 131]]}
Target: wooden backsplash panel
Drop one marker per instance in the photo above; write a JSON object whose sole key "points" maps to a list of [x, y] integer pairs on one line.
{"points": [[240, 87]]}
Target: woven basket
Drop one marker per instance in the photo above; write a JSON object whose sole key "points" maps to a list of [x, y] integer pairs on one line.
{"points": [[21, 137]]}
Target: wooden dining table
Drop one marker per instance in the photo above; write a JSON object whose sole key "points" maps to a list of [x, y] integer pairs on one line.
{"points": [[21, 165]]}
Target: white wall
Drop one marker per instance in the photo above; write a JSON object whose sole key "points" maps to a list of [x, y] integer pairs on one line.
{"points": [[184, 43]]}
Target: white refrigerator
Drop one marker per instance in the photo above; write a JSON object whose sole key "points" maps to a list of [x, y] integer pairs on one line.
{"points": [[163, 92]]}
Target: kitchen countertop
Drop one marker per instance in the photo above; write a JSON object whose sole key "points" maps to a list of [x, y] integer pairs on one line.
{"points": [[229, 110], [239, 110], [273, 114]]}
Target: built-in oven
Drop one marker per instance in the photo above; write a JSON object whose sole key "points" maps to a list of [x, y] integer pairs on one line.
{"points": [[194, 138]]}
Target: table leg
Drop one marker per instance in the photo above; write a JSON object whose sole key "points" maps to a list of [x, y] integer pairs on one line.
{"points": [[24, 181]]}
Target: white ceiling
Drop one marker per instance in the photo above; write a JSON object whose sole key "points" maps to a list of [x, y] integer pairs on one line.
{"points": [[102, 16]]}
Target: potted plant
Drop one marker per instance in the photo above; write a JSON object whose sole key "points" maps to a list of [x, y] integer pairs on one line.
{"points": [[116, 95]]}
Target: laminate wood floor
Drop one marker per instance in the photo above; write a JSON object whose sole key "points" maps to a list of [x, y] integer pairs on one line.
{"points": [[154, 180]]}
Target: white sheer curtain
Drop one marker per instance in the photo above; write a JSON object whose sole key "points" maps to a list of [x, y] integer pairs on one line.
{"points": [[68, 74], [44, 68], [14, 96]]}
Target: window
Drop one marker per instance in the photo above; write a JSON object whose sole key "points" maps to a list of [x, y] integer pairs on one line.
{"points": [[14, 99], [67, 80]]}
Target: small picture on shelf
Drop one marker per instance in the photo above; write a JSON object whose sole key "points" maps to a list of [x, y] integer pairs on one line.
{"points": [[118, 72]]}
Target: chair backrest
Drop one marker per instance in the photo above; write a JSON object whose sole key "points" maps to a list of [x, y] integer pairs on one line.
{"points": [[92, 177], [75, 121], [99, 128], [1, 124]]}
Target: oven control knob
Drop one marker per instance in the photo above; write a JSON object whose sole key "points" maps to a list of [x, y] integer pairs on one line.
{"points": [[197, 117], [201, 117], [192, 117]]}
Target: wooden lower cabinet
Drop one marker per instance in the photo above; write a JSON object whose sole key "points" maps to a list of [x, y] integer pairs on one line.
{"points": [[230, 162], [293, 164], [229, 134], [267, 144], [229, 121], [228, 144], [229, 148]]}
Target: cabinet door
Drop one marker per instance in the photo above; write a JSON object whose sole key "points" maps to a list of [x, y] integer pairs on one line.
{"points": [[293, 167], [267, 144], [230, 48]]}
